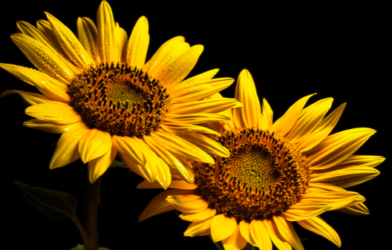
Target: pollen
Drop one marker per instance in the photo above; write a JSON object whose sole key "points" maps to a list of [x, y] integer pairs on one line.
{"points": [[119, 100], [264, 175]]}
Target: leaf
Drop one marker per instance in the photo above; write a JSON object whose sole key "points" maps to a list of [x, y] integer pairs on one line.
{"points": [[54, 205], [116, 164], [81, 247], [249, 247]]}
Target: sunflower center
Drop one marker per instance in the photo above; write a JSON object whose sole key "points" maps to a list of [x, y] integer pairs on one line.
{"points": [[264, 175], [119, 100]]}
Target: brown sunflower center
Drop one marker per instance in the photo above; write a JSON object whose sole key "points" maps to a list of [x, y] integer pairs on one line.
{"points": [[119, 100], [264, 175]]}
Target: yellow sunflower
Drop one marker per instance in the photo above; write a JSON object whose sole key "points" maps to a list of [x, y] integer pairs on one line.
{"points": [[277, 173], [101, 95]]}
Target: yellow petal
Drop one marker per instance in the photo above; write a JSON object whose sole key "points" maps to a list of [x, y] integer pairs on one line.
{"points": [[359, 209], [49, 127], [322, 131], [182, 129], [309, 119], [235, 241], [222, 227], [200, 228], [170, 160], [31, 98], [201, 90], [178, 146], [357, 160], [244, 228], [320, 227], [245, 93], [207, 144], [165, 55], [98, 166], [286, 123], [306, 209], [347, 177], [266, 118], [163, 175], [208, 75], [42, 58], [47, 85], [87, 33], [181, 67], [67, 147], [275, 236], [121, 42], [55, 112], [93, 144], [288, 233], [141, 170], [159, 205], [106, 34], [338, 147], [138, 44], [260, 235], [70, 44], [151, 159], [126, 146], [187, 203], [196, 217], [205, 106], [195, 118]]}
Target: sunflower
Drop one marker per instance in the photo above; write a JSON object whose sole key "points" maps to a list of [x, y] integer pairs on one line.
{"points": [[277, 173], [98, 92]]}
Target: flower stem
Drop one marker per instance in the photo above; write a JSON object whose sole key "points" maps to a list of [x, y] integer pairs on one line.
{"points": [[92, 202]]}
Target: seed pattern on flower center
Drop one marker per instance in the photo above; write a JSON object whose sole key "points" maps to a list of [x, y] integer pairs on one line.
{"points": [[119, 100], [264, 175]]}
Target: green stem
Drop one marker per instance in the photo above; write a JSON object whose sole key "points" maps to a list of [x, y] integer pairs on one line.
{"points": [[92, 202], [83, 233]]}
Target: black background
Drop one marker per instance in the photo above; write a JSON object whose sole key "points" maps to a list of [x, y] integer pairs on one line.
{"points": [[337, 50]]}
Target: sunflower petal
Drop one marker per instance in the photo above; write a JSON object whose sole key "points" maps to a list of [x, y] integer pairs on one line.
{"points": [[197, 217], [159, 205], [93, 144], [181, 129], [359, 209], [138, 44], [222, 227], [260, 235], [357, 160], [347, 177], [286, 123], [195, 118], [70, 44], [55, 112], [244, 228], [188, 203], [66, 150], [201, 90], [338, 147], [205, 106], [31, 98], [288, 233], [179, 184], [322, 131], [246, 93], [309, 119], [128, 148], [266, 118], [49, 127], [235, 241], [207, 144], [121, 42], [200, 228], [163, 175], [87, 33], [42, 58], [98, 166], [208, 75], [320, 227], [106, 34], [275, 236], [305, 210]]}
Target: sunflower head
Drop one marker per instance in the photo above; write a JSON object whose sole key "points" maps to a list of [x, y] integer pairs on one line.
{"points": [[99, 93], [290, 170]]}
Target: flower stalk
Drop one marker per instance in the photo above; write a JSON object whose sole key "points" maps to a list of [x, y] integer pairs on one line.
{"points": [[92, 202]]}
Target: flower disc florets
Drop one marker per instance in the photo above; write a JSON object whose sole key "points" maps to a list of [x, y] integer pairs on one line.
{"points": [[119, 100], [263, 177]]}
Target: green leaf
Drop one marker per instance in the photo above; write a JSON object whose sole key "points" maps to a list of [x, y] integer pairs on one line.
{"points": [[81, 247], [55, 205], [249, 247], [116, 164]]}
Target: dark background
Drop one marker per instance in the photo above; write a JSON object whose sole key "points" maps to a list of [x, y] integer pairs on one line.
{"points": [[292, 50]]}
